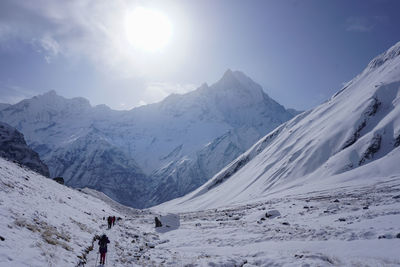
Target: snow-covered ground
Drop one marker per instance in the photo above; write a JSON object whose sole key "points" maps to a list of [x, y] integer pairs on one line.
{"points": [[47, 224], [42, 222]]}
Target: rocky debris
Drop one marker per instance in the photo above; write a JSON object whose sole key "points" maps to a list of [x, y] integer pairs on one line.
{"points": [[387, 236], [150, 245], [332, 208]]}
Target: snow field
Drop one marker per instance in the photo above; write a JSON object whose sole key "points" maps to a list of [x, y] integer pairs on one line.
{"points": [[47, 224], [344, 227], [42, 222]]}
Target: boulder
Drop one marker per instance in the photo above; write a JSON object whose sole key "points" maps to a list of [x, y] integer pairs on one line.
{"points": [[272, 214], [168, 222]]}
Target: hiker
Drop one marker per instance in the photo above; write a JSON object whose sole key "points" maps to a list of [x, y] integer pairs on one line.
{"points": [[109, 221], [113, 220], [103, 248]]}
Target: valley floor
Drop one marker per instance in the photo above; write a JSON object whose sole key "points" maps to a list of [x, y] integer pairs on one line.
{"points": [[349, 226]]}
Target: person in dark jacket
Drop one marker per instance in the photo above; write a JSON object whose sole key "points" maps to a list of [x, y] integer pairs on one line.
{"points": [[103, 248], [109, 221], [113, 220]]}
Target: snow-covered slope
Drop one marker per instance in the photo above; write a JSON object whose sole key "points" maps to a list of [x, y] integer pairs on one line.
{"points": [[14, 147], [354, 136], [44, 223], [172, 142], [91, 161]]}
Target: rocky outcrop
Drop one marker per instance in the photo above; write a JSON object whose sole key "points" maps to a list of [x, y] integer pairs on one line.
{"points": [[13, 147]]}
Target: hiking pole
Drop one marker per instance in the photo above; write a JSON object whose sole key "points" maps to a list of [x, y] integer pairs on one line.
{"points": [[95, 264]]}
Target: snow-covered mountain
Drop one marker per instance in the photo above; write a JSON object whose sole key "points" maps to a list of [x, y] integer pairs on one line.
{"points": [[13, 147], [353, 137], [92, 161], [167, 148]]}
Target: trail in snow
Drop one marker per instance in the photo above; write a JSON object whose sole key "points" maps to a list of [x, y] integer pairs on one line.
{"points": [[346, 226], [46, 224]]}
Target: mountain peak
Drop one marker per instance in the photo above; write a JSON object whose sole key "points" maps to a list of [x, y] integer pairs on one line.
{"points": [[228, 76], [50, 93], [236, 76]]}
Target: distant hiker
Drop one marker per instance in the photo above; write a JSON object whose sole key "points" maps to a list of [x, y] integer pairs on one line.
{"points": [[109, 221], [157, 221], [113, 220], [103, 248]]}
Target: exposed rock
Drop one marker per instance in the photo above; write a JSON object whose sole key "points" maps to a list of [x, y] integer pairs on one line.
{"points": [[372, 149], [13, 147], [59, 180]]}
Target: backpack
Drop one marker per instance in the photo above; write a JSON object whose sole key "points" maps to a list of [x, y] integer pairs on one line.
{"points": [[103, 242]]}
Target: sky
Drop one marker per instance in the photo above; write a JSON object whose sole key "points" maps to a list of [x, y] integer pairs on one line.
{"points": [[300, 51]]}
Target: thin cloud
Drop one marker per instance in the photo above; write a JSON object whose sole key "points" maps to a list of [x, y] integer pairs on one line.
{"points": [[156, 92], [359, 24], [364, 24], [12, 94]]}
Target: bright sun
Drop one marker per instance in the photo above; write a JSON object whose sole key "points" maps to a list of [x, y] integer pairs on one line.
{"points": [[147, 29]]}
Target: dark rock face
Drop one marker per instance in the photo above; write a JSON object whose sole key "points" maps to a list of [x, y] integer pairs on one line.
{"points": [[92, 162], [59, 180], [13, 147]]}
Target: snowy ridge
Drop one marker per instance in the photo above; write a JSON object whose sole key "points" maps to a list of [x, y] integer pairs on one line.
{"points": [[352, 134], [393, 52]]}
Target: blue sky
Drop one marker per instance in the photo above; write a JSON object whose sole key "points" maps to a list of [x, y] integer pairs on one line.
{"points": [[301, 52]]}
